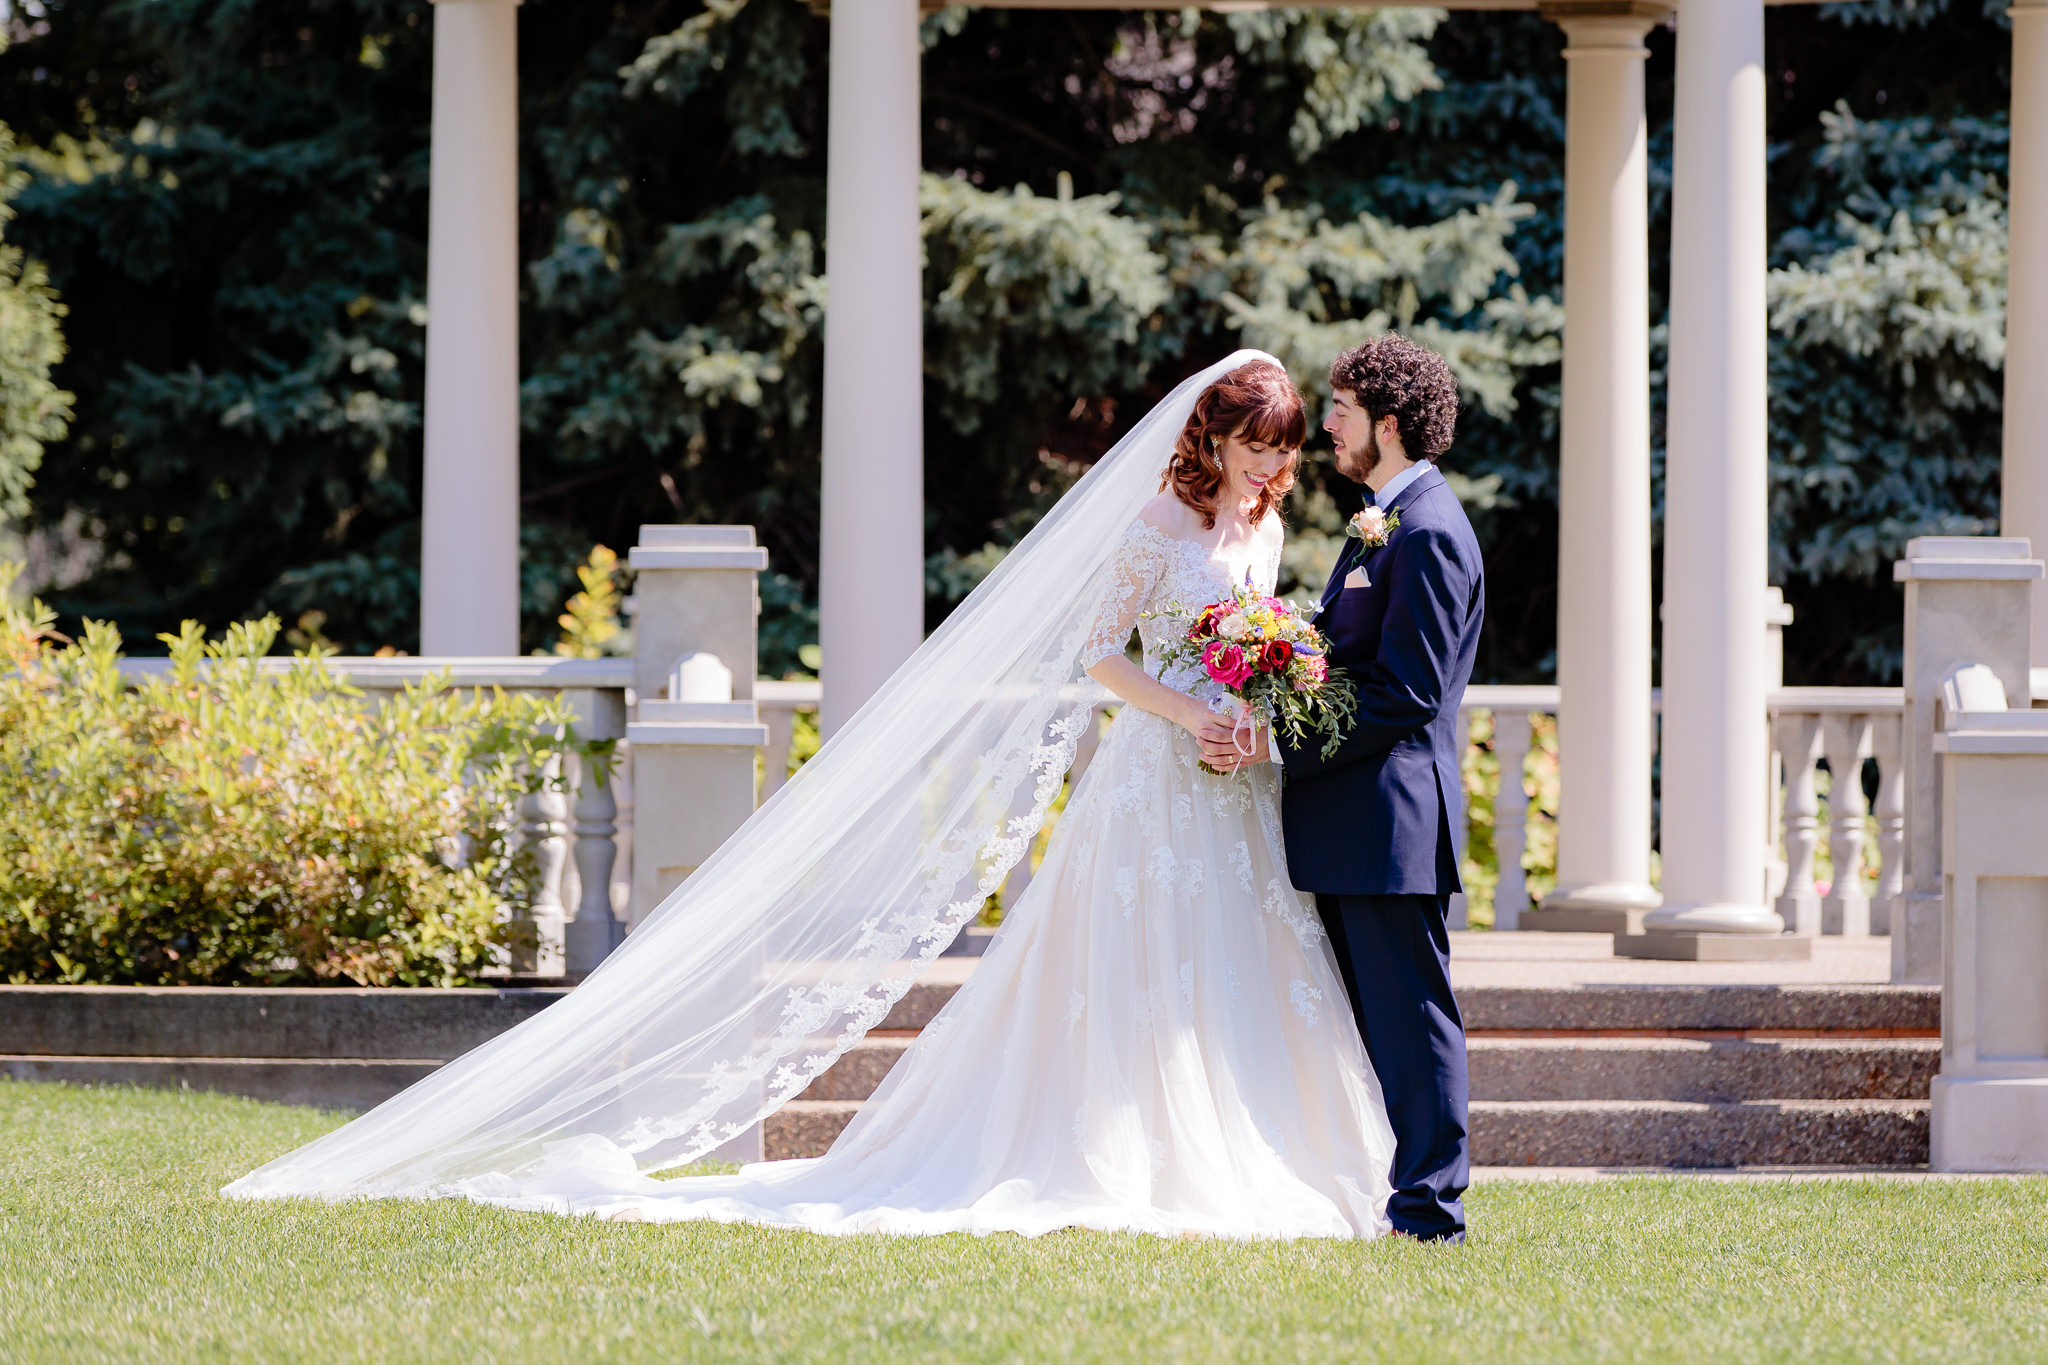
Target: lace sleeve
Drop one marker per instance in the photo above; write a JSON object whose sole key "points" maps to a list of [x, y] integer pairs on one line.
{"points": [[1135, 571]]}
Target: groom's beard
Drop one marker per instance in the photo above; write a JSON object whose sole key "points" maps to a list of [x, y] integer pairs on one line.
{"points": [[1355, 465]]}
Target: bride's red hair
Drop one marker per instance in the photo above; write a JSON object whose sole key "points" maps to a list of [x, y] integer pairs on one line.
{"points": [[1255, 402]]}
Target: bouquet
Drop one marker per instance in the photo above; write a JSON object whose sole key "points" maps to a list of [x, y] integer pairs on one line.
{"points": [[1271, 663]]}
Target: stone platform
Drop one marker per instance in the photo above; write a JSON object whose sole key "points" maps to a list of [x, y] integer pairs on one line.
{"points": [[1583, 1059], [1578, 1058]]}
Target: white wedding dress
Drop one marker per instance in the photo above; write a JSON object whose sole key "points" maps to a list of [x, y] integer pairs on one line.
{"points": [[1157, 1039]]}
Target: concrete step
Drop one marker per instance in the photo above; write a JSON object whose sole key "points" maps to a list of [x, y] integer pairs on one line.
{"points": [[326, 1083], [856, 1074], [1674, 1133], [805, 1127], [1593, 1068], [351, 1023], [200, 1021], [1702, 1070], [1588, 1132], [1870, 1010]]}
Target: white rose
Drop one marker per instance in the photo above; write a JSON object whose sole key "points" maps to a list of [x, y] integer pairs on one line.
{"points": [[1371, 523], [1234, 626]]}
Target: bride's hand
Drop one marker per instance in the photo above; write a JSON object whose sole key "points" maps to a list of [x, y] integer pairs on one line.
{"points": [[1224, 743], [1196, 718]]}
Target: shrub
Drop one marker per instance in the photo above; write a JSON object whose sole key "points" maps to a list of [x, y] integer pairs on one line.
{"points": [[224, 823]]}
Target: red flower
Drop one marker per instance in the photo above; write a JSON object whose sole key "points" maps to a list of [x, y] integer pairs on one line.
{"points": [[1275, 655]]}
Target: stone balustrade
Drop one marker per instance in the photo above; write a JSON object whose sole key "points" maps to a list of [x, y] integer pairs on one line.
{"points": [[582, 828], [1842, 728], [574, 826]]}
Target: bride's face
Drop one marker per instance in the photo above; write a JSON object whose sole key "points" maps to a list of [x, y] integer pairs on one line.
{"points": [[1248, 466]]}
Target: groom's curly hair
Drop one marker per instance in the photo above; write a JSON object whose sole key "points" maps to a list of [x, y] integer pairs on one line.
{"points": [[1393, 377]]}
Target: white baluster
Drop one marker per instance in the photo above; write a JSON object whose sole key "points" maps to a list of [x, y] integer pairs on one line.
{"points": [[1457, 914], [1511, 816], [1891, 822], [589, 938], [595, 931], [781, 723], [1846, 908], [1798, 740], [543, 826]]}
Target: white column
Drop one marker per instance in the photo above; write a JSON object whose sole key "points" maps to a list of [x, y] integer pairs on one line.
{"points": [[2024, 502], [1603, 619], [1716, 752], [871, 521], [469, 515]]}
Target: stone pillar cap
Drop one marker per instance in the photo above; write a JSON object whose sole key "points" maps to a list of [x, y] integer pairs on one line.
{"points": [[1995, 558], [698, 547]]}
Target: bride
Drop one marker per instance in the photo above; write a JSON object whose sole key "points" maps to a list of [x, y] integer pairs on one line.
{"points": [[1157, 1038]]}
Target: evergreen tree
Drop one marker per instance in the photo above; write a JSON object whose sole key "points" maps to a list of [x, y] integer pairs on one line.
{"points": [[33, 410], [232, 201]]}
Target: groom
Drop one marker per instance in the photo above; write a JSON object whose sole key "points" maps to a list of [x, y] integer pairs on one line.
{"points": [[1369, 829]]}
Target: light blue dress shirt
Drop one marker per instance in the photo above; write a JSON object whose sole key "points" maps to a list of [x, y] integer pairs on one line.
{"points": [[1385, 497]]}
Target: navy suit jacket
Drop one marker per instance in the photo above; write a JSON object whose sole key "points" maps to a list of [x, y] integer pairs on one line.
{"points": [[1375, 817]]}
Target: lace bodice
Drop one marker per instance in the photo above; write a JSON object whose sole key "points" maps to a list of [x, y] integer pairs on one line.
{"points": [[1152, 570]]}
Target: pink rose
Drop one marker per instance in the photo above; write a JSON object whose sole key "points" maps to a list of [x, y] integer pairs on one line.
{"points": [[1226, 663]]}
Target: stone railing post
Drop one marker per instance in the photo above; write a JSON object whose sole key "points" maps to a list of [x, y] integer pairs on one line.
{"points": [[695, 590], [1967, 602], [694, 755], [1990, 1102], [695, 734]]}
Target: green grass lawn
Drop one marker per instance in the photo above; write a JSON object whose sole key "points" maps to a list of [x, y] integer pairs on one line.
{"points": [[113, 1245]]}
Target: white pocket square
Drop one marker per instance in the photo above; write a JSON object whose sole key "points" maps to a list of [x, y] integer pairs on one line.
{"points": [[1357, 579]]}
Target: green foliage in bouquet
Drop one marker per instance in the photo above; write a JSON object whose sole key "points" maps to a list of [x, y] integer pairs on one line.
{"points": [[223, 823]]}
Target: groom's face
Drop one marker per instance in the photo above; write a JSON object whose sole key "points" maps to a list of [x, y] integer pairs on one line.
{"points": [[1351, 431]]}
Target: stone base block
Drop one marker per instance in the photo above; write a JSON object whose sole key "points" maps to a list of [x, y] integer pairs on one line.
{"points": [[1582, 919], [1982, 1124], [326, 1083], [1916, 940], [1690, 946], [1651, 1133]]}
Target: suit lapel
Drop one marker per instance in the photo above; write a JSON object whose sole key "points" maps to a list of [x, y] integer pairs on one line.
{"points": [[1345, 561]]}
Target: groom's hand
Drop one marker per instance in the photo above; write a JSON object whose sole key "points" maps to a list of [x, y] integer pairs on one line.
{"points": [[1223, 744]]}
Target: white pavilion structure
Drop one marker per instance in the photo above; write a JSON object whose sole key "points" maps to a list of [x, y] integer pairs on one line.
{"points": [[1715, 750]]}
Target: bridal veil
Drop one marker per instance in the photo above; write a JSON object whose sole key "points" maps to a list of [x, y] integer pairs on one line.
{"points": [[802, 931]]}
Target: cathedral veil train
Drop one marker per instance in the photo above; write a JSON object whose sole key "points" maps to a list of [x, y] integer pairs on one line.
{"points": [[1157, 1039]]}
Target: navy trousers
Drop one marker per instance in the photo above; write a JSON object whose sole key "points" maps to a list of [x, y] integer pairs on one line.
{"points": [[1395, 957]]}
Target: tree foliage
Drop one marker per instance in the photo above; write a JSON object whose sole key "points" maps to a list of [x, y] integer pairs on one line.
{"points": [[33, 410], [232, 201]]}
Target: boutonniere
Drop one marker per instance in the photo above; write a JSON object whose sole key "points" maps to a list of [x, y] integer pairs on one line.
{"points": [[1373, 526]]}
